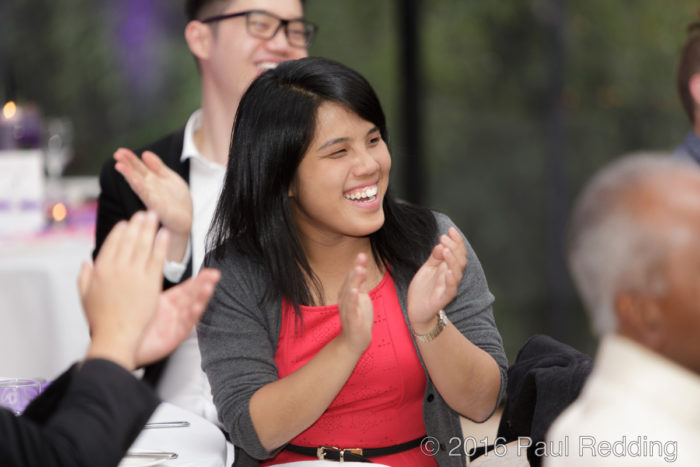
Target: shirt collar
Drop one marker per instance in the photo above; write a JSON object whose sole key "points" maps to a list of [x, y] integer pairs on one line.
{"points": [[189, 149], [690, 146]]}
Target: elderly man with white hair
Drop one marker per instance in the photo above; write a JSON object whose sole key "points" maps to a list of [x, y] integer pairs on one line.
{"points": [[634, 255]]}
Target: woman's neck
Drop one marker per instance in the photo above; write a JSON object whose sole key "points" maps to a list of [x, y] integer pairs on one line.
{"points": [[332, 261]]}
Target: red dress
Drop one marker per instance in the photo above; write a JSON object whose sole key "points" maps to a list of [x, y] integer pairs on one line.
{"points": [[381, 404]]}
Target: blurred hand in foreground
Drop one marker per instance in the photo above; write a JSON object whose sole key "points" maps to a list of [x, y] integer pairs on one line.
{"points": [[132, 321]]}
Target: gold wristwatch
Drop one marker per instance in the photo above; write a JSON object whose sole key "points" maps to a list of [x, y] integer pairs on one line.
{"points": [[433, 333]]}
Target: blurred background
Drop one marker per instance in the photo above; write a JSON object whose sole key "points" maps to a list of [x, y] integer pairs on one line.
{"points": [[498, 111]]}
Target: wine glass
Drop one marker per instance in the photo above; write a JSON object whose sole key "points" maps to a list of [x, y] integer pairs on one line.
{"points": [[58, 152], [16, 394], [59, 146]]}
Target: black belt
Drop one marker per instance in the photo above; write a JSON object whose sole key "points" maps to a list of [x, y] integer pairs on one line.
{"points": [[354, 454]]}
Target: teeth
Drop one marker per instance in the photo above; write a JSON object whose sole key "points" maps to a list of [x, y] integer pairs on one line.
{"points": [[367, 193], [267, 65]]}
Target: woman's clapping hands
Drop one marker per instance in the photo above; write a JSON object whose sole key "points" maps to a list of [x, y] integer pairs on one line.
{"points": [[355, 307], [435, 283]]}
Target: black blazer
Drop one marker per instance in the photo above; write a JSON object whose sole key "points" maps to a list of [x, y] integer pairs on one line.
{"points": [[87, 417], [117, 201]]}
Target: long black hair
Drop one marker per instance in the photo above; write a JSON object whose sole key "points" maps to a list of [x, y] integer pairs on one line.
{"points": [[274, 125]]}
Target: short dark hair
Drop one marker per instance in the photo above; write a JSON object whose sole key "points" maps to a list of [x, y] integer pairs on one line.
{"points": [[199, 9], [689, 65], [274, 126]]}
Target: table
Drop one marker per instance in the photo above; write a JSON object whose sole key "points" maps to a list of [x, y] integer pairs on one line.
{"points": [[201, 444], [42, 326]]}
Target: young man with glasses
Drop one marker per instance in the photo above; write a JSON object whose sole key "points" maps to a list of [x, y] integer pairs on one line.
{"points": [[180, 176]]}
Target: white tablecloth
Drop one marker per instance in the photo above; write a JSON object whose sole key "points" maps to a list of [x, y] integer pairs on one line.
{"points": [[319, 463], [201, 444], [42, 326]]}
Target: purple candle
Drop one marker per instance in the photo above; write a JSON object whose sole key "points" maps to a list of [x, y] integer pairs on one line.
{"points": [[20, 127]]}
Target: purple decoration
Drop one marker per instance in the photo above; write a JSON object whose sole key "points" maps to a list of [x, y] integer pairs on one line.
{"points": [[138, 31]]}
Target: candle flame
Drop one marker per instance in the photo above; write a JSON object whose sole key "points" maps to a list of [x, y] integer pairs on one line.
{"points": [[59, 212], [9, 110]]}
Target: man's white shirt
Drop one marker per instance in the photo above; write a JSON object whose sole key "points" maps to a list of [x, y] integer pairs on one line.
{"points": [[183, 382], [636, 409]]}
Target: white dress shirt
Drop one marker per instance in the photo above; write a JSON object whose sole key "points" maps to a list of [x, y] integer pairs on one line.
{"points": [[636, 409], [183, 382]]}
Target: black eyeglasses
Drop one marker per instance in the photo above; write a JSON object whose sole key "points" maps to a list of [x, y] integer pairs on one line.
{"points": [[264, 25]]}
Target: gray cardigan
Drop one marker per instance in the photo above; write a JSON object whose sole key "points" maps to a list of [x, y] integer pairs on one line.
{"points": [[238, 340]]}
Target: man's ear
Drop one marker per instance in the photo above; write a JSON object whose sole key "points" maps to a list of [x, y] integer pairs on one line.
{"points": [[639, 318], [198, 36], [694, 88]]}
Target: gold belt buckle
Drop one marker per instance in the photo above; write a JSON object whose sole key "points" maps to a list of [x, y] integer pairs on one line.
{"points": [[321, 452]]}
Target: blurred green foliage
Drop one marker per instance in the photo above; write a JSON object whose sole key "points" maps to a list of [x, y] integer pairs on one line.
{"points": [[487, 70]]}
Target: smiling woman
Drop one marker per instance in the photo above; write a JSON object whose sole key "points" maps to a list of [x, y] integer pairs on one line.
{"points": [[344, 318], [339, 186]]}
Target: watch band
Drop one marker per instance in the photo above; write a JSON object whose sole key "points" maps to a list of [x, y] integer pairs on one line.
{"points": [[433, 333]]}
